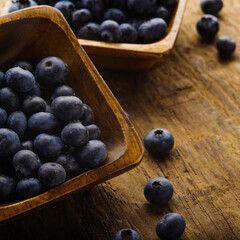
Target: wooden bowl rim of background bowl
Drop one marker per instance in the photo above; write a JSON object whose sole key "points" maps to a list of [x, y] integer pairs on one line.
{"points": [[132, 145]]}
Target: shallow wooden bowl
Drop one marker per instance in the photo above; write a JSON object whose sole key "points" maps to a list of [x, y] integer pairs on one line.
{"points": [[35, 33], [137, 57]]}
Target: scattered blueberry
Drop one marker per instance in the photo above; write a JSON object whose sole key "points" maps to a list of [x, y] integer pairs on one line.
{"points": [[27, 145], [225, 46], [21, 4], [128, 33], [62, 90], [3, 117], [90, 31], [109, 31], [88, 115], [80, 17], [94, 132], [33, 104], [7, 188], [211, 6], [96, 7], [66, 8], [24, 65], [126, 234], [114, 14]]}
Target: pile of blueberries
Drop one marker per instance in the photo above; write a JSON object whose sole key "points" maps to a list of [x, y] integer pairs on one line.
{"points": [[43, 142], [208, 27], [125, 21]]}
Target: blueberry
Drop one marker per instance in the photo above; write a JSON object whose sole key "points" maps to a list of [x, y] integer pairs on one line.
{"points": [[96, 7], [9, 100], [153, 30], [67, 108], [51, 174], [27, 145], [51, 72], [17, 122], [114, 14], [33, 104], [171, 226], [162, 12], [225, 46], [128, 33], [3, 117], [126, 234], [109, 31], [207, 27], [36, 90], [141, 7], [94, 132], [70, 165], [27, 188], [24, 65], [2, 79], [211, 6], [75, 135], [80, 17], [26, 163], [170, 4], [90, 31], [158, 141], [88, 115], [42, 122], [62, 90], [158, 191], [91, 155], [48, 146], [66, 8], [21, 4], [19, 79], [120, 4], [7, 188], [9, 142]]}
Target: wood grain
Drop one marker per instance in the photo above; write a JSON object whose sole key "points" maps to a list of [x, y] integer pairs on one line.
{"points": [[195, 95]]}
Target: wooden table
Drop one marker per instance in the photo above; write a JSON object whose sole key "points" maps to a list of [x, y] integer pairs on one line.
{"points": [[195, 95]]}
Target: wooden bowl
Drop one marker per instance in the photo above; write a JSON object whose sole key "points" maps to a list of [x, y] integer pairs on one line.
{"points": [[35, 33], [134, 57]]}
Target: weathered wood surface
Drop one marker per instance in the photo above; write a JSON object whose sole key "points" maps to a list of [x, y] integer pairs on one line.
{"points": [[195, 95]]}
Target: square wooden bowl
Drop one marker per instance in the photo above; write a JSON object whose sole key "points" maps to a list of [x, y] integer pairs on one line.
{"points": [[133, 57], [35, 33]]}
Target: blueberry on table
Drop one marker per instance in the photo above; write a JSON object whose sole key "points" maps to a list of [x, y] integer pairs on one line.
{"points": [[26, 163], [33, 104], [19, 79], [207, 27], [114, 14], [126, 234], [96, 7], [109, 31], [51, 174], [21, 4], [62, 90], [7, 188], [51, 72], [27, 188], [162, 12], [80, 17], [88, 115], [225, 46], [141, 8], [27, 145], [152, 31], [90, 31], [91, 155], [24, 65], [94, 132], [158, 191], [66, 8], [3, 117], [211, 6], [9, 100], [128, 33], [158, 141], [171, 226]]}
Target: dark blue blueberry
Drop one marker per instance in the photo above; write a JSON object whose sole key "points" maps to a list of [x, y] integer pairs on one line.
{"points": [[135, 22], [91, 155], [141, 7], [94, 132], [26, 163], [62, 90], [24, 65], [51, 72], [207, 27], [162, 12], [171, 227], [33, 104], [211, 6], [128, 33], [27, 145], [126, 234], [96, 7], [67, 108], [75, 135], [2, 79], [7, 188], [51, 174], [21, 4], [48, 108], [3, 117], [9, 100], [66, 8], [9, 142], [109, 31], [158, 191], [48, 146], [70, 165], [152, 31], [170, 4], [17, 121], [36, 91], [19, 79], [80, 17], [114, 14], [120, 4], [90, 31], [42, 122], [88, 115], [27, 188], [158, 141], [225, 46]]}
